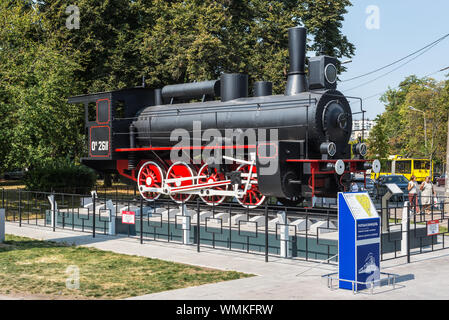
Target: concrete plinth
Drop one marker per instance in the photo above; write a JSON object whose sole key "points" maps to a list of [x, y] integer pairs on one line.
{"points": [[224, 216], [236, 218], [322, 227]]}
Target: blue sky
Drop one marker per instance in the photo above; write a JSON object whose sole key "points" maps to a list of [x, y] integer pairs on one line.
{"points": [[404, 27]]}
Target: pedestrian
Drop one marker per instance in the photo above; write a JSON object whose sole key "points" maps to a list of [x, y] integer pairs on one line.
{"points": [[354, 187], [413, 193], [427, 191]]}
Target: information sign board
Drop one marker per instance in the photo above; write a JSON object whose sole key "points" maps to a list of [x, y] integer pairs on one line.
{"points": [[433, 227], [128, 217], [359, 240]]}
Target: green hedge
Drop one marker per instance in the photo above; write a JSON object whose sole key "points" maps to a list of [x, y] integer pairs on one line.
{"points": [[60, 176]]}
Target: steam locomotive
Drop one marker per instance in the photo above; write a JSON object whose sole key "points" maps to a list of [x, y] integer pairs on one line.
{"points": [[293, 146]]}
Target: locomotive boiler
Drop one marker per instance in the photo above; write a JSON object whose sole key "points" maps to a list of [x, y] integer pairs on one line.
{"points": [[225, 144]]}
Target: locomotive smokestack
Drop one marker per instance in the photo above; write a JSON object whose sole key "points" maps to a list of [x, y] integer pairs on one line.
{"points": [[233, 86], [263, 88], [296, 80]]}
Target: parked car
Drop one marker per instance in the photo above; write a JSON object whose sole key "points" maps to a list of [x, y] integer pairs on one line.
{"points": [[399, 180], [441, 180]]}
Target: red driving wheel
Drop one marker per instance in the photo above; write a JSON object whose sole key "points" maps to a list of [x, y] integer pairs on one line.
{"points": [[253, 197], [151, 176], [211, 177], [179, 170]]}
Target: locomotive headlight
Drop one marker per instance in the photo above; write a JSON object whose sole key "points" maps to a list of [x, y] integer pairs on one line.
{"points": [[361, 149], [328, 148], [330, 72], [376, 166], [339, 167]]}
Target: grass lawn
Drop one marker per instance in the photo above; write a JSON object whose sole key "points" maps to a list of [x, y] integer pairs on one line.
{"points": [[29, 266]]}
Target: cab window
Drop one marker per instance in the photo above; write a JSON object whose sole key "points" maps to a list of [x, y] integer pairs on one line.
{"points": [[102, 110]]}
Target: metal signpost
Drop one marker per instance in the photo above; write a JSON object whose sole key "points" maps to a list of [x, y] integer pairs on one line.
{"points": [[392, 190], [2, 225], [359, 241]]}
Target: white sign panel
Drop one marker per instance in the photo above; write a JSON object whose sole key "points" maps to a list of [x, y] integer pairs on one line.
{"points": [[433, 227], [394, 188], [128, 217], [360, 205]]}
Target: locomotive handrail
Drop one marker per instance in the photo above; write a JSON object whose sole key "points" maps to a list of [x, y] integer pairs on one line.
{"points": [[234, 108], [169, 131]]}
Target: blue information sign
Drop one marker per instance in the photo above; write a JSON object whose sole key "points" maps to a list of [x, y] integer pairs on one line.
{"points": [[359, 240]]}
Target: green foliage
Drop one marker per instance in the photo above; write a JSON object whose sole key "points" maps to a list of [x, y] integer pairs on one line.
{"points": [[60, 176], [400, 130], [42, 62], [378, 140], [36, 77], [197, 40]]}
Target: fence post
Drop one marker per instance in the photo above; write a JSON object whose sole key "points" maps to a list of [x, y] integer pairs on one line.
{"points": [[141, 220], [198, 228], [408, 234], [20, 208], [112, 214], [405, 235], [2, 225], [94, 197], [284, 234], [53, 214], [168, 224], [266, 231], [186, 224], [51, 199]]}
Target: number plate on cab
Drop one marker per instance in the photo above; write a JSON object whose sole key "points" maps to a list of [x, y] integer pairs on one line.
{"points": [[100, 142]]}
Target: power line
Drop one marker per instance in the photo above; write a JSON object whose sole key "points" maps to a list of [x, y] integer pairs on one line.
{"points": [[396, 87], [391, 71], [399, 60]]}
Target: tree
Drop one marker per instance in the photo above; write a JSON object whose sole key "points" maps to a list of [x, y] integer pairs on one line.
{"points": [[35, 79], [197, 40], [400, 130], [378, 139]]}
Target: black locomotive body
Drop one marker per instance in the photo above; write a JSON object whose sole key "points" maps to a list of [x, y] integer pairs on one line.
{"points": [[293, 146]]}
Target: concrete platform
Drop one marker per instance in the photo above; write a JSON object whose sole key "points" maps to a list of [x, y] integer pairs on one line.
{"points": [[427, 277]]}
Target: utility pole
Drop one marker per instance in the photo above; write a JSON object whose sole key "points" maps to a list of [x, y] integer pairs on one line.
{"points": [[446, 180]]}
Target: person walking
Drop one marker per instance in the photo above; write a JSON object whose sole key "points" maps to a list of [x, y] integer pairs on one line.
{"points": [[413, 193], [427, 191], [354, 187]]}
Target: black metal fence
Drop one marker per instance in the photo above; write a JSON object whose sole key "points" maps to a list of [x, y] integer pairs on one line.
{"points": [[309, 233]]}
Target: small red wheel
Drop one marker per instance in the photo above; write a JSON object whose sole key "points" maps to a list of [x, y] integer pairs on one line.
{"points": [[253, 197], [180, 170], [212, 176], [150, 176]]}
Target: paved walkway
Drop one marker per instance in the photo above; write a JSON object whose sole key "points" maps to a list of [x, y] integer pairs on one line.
{"points": [[427, 277]]}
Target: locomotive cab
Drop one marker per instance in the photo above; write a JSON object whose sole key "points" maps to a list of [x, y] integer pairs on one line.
{"points": [[107, 117]]}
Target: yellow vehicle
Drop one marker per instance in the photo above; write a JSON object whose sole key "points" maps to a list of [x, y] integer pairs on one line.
{"points": [[420, 168]]}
